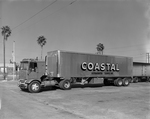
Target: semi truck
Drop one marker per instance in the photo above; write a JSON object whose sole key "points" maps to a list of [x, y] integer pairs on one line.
{"points": [[64, 68]]}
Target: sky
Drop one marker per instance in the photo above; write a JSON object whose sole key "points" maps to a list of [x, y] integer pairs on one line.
{"points": [[122, 26]]}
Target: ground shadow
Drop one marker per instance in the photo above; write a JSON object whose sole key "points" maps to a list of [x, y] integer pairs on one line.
{"points": [[87, 85], [49, 88], [53, 88]]}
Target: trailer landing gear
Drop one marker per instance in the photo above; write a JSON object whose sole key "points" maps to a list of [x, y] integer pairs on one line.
{"points": [[135, 80]]}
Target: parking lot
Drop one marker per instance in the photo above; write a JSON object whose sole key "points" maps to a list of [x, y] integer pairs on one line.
{"points": [[81, 102]]}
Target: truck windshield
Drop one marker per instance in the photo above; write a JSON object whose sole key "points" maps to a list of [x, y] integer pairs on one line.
{"points": [[24, 65]]}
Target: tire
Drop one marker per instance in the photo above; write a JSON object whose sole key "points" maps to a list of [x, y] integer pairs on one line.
{"points": [[118, 82], [65, 84], [125, 82], [34, 87], [115, 82]]}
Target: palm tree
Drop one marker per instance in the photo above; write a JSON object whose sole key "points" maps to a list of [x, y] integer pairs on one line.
{"points": [[6, 31], [100, 48], [41, 41]]}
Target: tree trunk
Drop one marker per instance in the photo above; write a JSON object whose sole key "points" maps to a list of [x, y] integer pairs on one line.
{"points": [[4, 74], [41, 52]]}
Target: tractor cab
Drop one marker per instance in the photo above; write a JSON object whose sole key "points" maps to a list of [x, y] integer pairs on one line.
{"points": [[31, 69]]}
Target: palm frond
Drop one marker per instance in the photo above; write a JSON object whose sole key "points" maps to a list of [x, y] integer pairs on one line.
{"points": [[41, 41], [100, 47], [6, 31]]}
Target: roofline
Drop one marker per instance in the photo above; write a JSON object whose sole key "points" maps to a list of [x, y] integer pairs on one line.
{"points": [[88, 53]]}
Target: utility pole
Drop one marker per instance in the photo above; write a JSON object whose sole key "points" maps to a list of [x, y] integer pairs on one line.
{"points": [[13, 55], [147, 57]]}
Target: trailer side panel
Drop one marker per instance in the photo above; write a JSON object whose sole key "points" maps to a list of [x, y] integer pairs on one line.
{"points": [[70, 64]]}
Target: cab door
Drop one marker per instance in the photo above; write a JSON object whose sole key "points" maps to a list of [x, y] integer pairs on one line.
{"points": [[32, 73], [40, 69]]}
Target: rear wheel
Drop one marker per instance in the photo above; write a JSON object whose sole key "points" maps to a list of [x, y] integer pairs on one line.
{"points": [[118, 82], [125, 82], [65, 84], [115, 82], [34, 87]]}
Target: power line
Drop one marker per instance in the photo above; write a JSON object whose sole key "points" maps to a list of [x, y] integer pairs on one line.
{"points": [[61, 9], [33, 15], [137, 55], [121, 51], [48, 15], [130, 46], [134, 48]]}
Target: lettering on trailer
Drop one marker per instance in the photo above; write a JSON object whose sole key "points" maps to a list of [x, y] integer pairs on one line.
{"points": [[99, 67]]}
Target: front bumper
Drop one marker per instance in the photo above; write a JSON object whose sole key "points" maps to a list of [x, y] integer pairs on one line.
{"points": [[22, 84]]}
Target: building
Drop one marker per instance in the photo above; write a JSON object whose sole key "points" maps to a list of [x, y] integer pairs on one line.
{"points": [[8, 70]]}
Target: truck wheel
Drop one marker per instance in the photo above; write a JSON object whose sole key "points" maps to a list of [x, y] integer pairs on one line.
{"points": [[65, 84], [115, 82], [118, 82], [34, 87], [125, 82]]}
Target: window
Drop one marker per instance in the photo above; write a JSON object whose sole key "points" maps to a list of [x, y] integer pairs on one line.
{"points": [[33, 65], [24, 65]]}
